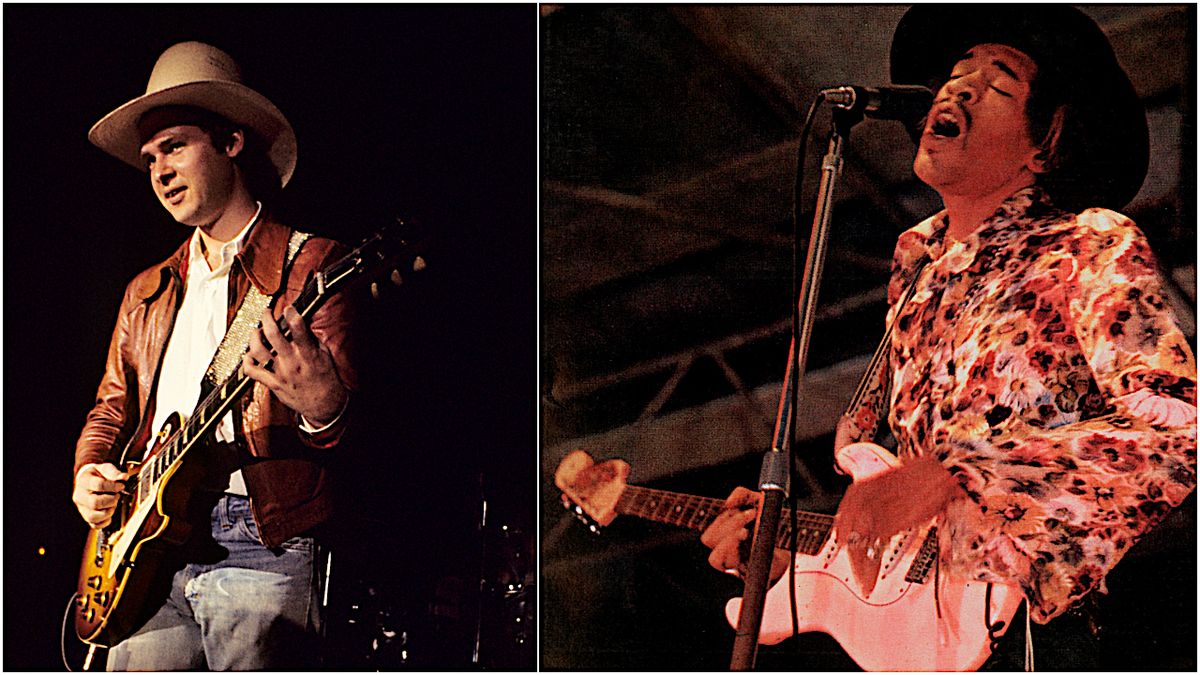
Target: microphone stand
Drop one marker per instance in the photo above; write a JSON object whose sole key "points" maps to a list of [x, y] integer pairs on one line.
{"points": [[773, 478]]}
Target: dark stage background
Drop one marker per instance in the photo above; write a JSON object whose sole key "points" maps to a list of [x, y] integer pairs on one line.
{"points": [[423, 112]]}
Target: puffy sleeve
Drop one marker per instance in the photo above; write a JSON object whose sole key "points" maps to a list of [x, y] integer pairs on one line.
{"points": [[1055, 507]]}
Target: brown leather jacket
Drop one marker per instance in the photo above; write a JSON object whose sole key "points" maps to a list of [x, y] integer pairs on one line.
{"points": [[287, 474]]}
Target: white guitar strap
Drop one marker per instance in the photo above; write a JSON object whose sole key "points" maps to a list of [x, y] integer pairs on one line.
{"points": [[246, 321]]}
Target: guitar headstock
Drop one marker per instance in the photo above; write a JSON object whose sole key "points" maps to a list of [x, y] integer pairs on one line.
{"points": [[396, 251], [401, 248], [591, 490]]}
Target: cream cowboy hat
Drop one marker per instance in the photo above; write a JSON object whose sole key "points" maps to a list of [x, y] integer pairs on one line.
{"points": [[200, 75]]}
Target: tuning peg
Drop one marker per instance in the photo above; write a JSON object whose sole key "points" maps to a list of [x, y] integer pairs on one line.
{"points": [[374, 290], [418, 264], [396, 278]]}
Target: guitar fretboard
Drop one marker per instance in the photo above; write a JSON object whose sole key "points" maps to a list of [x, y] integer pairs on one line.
{"points": [[697, 513]]}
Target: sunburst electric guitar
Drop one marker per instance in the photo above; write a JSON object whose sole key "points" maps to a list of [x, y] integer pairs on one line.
{"points": [[913, 618], [129, 563]]}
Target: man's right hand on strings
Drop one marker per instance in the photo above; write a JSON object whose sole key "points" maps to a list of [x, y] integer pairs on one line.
{"points": [[96, 489]]}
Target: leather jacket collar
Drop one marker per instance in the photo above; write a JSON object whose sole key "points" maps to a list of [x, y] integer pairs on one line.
{"points": [[261, 258]]}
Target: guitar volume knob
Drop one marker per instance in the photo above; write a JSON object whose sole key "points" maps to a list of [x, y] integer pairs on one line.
{"points": [[94, 582]]}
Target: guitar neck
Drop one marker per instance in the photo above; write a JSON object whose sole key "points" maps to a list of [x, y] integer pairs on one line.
{"points": [[697, 513], [223, 397]]}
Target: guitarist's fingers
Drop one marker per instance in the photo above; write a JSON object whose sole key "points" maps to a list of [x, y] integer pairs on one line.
{"points": [[301, 338], [855, 518], [93, 516], [94, 480], [256, 360], [742, 496], [728, 524], [726, 555], [111, 472], [266, 341], [253, 370], [779, 563], [864, 562], [96, 518], [100, 502], [109, 487], [91, 474]]}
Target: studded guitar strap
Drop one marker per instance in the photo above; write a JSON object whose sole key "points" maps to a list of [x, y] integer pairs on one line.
{"points": [[245, 322]]}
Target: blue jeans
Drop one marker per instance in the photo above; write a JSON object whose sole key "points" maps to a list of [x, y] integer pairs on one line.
{"points": [[256, 609]]}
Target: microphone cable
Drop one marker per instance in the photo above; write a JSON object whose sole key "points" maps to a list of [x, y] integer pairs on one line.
{"points": [[793, 456]]}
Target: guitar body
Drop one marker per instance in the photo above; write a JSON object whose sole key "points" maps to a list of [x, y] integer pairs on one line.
{"points": [[902, 624], [128, 566], [111, 601], [896, 627]]}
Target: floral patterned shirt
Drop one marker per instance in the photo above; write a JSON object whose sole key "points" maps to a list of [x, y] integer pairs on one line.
{"points": [[1040, 363]]}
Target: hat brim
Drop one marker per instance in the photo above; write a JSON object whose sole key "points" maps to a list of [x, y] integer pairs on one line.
{"points": [[117, 133], [1112, 151]]}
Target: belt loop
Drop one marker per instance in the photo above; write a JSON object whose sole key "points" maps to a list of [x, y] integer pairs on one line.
{"points": [[222, 512]]}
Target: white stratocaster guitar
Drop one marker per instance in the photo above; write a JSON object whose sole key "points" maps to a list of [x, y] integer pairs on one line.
{"points": [[913, 619]]}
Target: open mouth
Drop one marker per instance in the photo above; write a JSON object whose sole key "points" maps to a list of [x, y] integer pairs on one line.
{"points": [[170, 195], [946, 126]]}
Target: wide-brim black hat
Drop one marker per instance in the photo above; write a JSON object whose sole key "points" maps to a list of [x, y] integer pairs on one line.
{"points": [[1105, 162]]}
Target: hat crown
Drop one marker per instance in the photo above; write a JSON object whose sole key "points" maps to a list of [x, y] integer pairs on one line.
{"points": [[202, 76], [188, 62]]}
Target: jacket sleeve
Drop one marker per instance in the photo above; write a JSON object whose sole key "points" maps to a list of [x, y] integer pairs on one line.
{"points": [[1056, 508], [114, 413], [332, 324]]}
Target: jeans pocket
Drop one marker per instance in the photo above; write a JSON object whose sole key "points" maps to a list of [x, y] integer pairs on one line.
{"points": [[248, 527]]}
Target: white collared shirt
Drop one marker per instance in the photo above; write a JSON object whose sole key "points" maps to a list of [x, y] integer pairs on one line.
{"points": [[200, 324]]}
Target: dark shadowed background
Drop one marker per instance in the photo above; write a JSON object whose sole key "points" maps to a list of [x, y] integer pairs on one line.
{"points": [[428, 113]]}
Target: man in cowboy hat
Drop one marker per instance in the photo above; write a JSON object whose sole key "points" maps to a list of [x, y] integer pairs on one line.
{"points": [[215, 150], [1040, 393]]}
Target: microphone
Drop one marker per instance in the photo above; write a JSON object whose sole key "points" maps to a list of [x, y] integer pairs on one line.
{"points": [[894, 102]]}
